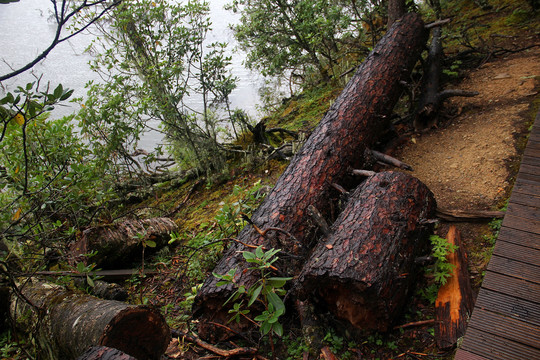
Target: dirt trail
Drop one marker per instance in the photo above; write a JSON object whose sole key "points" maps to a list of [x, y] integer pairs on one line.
{"points": [[469, 162]]}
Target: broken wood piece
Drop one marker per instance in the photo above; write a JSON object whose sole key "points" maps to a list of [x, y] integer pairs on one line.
{"points": [[415, 323], [354, 122], [120, 244], [364, 271], [455, 300], [319, 220], [366, 173], [327, 354], [66, 323], [387, 159], [468, 215]]}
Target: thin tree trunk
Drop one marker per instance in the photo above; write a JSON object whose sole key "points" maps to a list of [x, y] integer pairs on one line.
{"points": [[351, 125]]}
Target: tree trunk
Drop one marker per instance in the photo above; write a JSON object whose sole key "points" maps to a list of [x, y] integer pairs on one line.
{"points": [[396, 9], [351, 125], [455, 300], [66, 323], [364, 271], [104, 353], [119, 245]]}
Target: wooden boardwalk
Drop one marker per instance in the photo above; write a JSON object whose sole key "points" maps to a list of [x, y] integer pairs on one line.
{"points": [[505, 323]]}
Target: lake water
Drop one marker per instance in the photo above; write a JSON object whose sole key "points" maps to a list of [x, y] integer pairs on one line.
{"points": [[25, 31]]}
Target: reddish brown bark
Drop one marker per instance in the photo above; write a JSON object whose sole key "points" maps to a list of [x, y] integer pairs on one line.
{"points": [[67, 323], [120, 244], [351, 125], [364, 271], [455, 300]]}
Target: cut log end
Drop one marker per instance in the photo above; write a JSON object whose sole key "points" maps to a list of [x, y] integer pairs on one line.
{"points": [[140, 331]]}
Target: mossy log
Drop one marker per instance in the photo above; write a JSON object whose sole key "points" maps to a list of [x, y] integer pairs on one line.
{"points": [[66, 323], [120, 244], [354, 123], [363, 272]]}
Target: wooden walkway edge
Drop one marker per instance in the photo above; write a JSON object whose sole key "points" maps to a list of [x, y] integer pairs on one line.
{"points": [[505, 323]]}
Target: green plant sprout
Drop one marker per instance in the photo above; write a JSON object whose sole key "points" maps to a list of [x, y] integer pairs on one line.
{"points": [[267, 290]]}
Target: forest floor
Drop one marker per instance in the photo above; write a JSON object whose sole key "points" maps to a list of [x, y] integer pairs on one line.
{"points": [[472, 158]]}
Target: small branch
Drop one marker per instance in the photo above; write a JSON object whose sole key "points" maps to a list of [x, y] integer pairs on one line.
{"points": [[294, 134], [366, 173], [340, 188], [241, 351], [186, 198], [445, 94], [387, 159], [437, 23], [319, 220], [416, 323]]}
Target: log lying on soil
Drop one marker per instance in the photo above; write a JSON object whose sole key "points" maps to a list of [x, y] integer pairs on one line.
{"points": [[120, 244], [364, 271], [66, 323], [351, 125], [455, 300]]}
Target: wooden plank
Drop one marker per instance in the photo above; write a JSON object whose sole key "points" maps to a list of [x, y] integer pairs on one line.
{"points": [[526, 188], [524, 211], [528, 178], [532, 149], [512, 286], [496, 348], [518, 223], [519, 237], [466, 355], [505, 327], [530, 160], [518, 269], [529, 169], [509, 306], [517, 252], [524, 199]]}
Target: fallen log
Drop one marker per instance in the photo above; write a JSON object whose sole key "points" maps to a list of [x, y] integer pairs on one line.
{"points": [[351, 126], [455, 300], [121, 244], [468, 215], [104, 353], [365, 270], [66, 323]]}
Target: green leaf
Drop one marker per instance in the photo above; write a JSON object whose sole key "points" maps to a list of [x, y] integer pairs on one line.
{"points": [[249, 256], [255, 295], [150, 243], [259, 252], [89, 281], [265, 328], [275, 301], [278, 282], [278, 329], [58, 91]]}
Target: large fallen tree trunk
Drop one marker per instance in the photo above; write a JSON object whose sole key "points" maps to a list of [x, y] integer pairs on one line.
{"points": [[121, 244], [66, 323], [363, 272], [352, 124]]}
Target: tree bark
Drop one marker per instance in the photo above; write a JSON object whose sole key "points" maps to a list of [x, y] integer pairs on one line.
{"points": [[455, 300], [396, 9], [351, 125], [66, 323], [104, 353], [364, 271], [119, 245]]}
